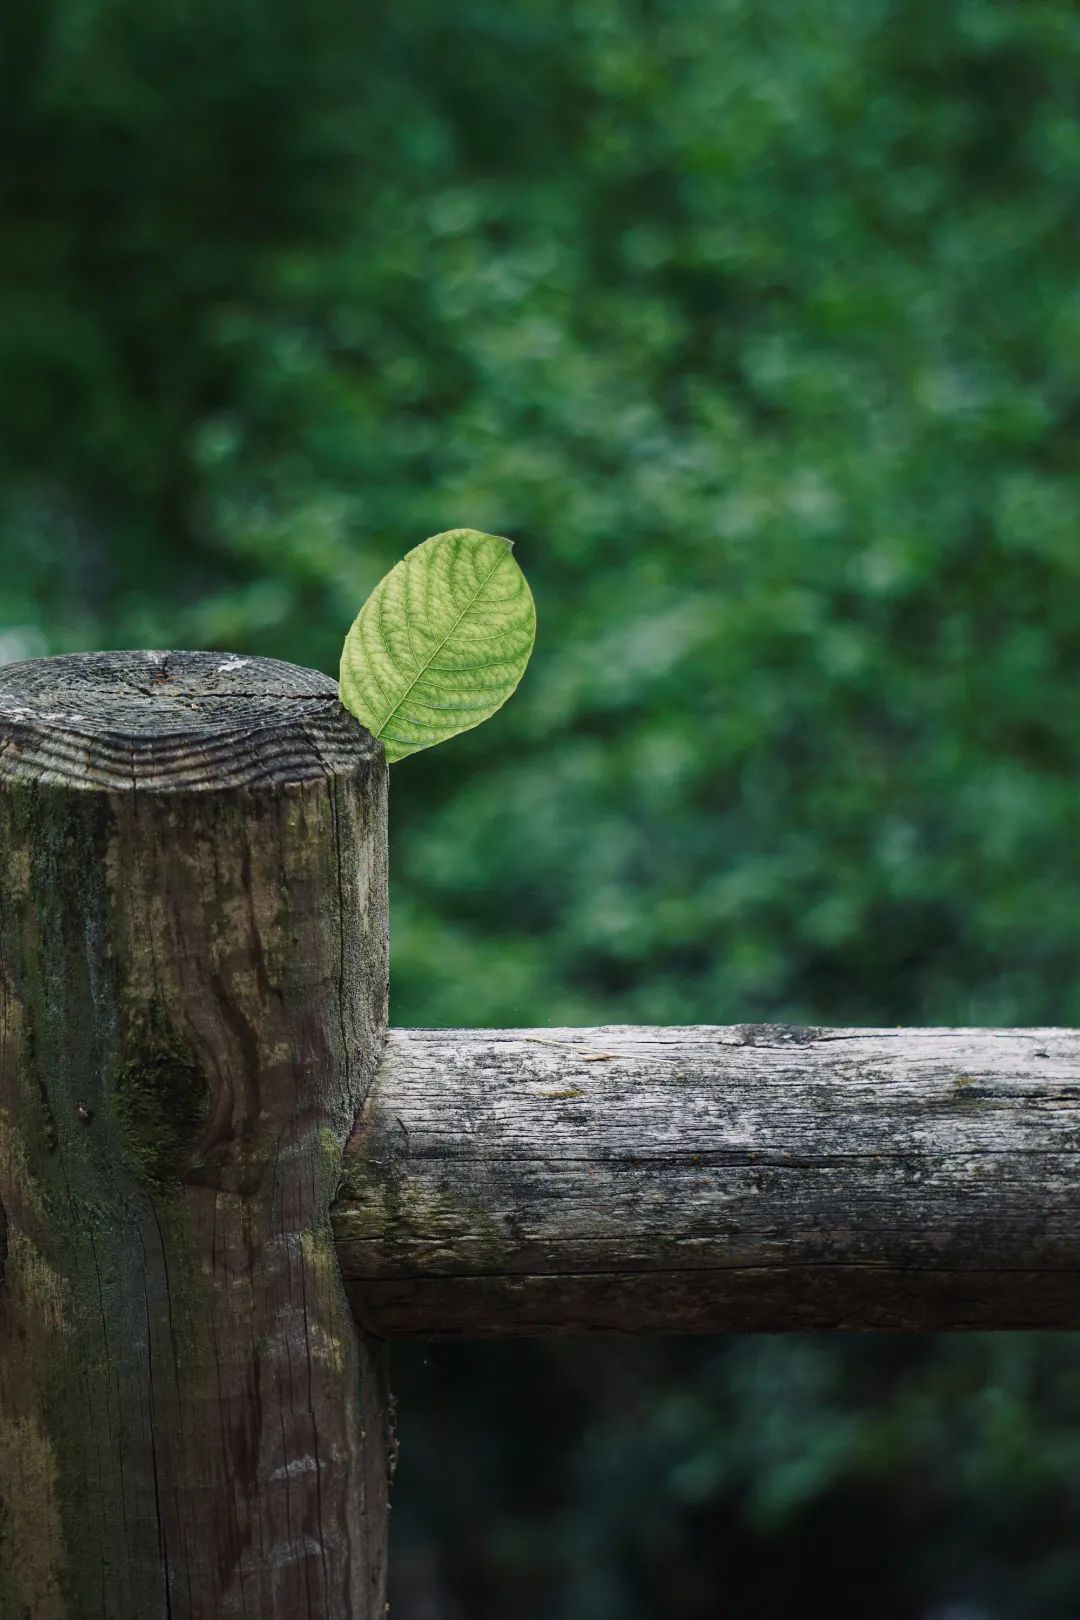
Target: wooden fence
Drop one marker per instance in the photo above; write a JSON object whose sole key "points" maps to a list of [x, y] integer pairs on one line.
{"points": [[224, 1187]]}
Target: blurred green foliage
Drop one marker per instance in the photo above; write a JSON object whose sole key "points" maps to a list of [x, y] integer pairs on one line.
{"points": [[757, 326]]}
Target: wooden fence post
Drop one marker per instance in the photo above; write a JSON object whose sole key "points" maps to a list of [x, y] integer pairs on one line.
{"points": [[193, 968]]}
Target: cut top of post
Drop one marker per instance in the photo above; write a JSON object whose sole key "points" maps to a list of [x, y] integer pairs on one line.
{"points": [[173, 721]]}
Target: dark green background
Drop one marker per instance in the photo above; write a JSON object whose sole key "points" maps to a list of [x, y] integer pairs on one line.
{"points": [[756, 323]]}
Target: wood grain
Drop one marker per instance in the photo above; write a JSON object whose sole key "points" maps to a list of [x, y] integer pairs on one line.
{"points": [[715, 1179], [192, 999], [171, 722]]}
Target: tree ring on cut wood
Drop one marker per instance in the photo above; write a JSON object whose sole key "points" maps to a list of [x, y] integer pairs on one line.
{"points": [[173, 721]]}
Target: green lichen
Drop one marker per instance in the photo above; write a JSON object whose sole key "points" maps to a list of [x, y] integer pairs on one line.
{"points": [[35, 1561]]}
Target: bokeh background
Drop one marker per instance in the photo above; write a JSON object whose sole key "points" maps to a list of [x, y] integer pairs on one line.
{"points": [[757, 325]]}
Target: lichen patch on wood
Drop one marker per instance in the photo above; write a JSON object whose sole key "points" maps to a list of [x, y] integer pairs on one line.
{"points": [[33, 1568]]}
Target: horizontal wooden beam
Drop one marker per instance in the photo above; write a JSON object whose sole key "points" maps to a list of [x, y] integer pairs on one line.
{"points": [[715, 1179]]}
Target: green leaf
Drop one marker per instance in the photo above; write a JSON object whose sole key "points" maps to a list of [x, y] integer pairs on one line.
{"points": [[440, 643]]}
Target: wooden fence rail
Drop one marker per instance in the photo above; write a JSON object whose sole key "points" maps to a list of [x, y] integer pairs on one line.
{"points": [[711, 1179], [205, 1133]]}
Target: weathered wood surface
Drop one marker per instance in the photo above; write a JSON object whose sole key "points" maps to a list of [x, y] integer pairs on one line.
{"points": [[192, 999], [708, 1179]]}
